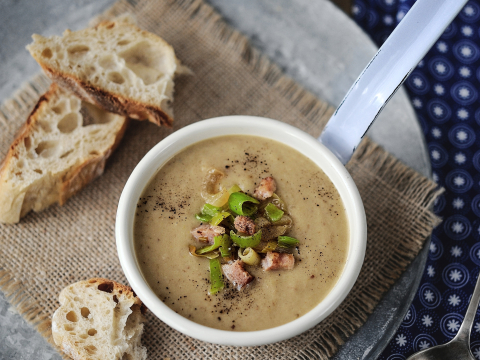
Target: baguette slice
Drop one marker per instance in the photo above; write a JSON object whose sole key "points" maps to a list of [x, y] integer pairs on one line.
{"points": [[116, 66], [63, 146], [99, 319]]}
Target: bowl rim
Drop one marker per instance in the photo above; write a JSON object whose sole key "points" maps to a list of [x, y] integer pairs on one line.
{"points": [[241, 125]]}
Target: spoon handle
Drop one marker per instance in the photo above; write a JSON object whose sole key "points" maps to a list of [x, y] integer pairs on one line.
{"points": [[464, 331], [388, 69]]}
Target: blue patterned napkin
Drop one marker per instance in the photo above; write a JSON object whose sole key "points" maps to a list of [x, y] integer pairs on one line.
{"points": [[444, 90]]}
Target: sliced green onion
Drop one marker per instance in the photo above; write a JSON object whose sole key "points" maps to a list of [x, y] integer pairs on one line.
{"points": [[210, 210], [279, 202], [234, 188], [242, 204], [217, 242], [211, 255], [287, 241], [209, 186], [271, 246], [218, 199], [203, 217], [218, 218], [285, 220], [249, 256], [225, 247], [216, 278], [272, 232], [246, 241], [273, 213], [261, 222]]}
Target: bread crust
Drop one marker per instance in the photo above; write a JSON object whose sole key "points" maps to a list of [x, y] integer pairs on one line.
{"points": [[116, 288], [70, 183], [109, 101], [14, 215]]}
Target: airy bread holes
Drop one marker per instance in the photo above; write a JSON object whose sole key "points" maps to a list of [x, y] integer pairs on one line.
{"points": [[83, 336], [68, 327], [47, 53], [127, 357], [123, 42], [78, 50], [45, 126], [28, 143], [145, 61], [60, 108], [92, 332], [90, 349], [64, 155], [90, 70], [71, 316], [94, 115], [115, 77], [38, 171], [47, 148], [107, 62], [115, 299], [106, 287], [85, 312], [68, 123]]}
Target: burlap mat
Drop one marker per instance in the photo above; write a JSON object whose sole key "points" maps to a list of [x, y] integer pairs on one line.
{"points": [[46, 251]]}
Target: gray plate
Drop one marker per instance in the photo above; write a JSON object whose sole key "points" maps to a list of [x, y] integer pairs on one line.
{"points": [[314, 43]]}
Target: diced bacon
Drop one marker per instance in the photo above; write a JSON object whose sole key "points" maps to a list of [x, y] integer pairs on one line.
{"points": [[266, 188], [245, 225], [236, 274], [278, 261], [207, 232]]}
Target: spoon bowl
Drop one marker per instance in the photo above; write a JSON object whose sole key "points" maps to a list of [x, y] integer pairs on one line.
{"points": [[459, 347]]}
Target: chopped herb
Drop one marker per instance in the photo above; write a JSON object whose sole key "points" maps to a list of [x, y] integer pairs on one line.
{"points": [[216, 277], [287, 241], [273, 213], [218, 218], [226, 246], [249, 256], [234, 188], [242, 204], [210, 255], [246, 241]]}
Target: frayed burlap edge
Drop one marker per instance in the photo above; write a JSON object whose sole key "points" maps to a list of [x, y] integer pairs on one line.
{"points": [[369, 156]]}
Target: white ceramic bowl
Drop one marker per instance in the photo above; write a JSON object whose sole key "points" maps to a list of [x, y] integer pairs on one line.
{"points": [[242, 125]]}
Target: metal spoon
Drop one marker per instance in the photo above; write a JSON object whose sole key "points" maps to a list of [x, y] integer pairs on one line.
{"points": [[459, 347], [388, 69]]}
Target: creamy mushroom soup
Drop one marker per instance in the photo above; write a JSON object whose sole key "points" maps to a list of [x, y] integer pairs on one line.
{"points": [[165, 217]]}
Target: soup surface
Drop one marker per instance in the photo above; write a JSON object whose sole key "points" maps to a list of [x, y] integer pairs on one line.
{"points": [[166, 215]]}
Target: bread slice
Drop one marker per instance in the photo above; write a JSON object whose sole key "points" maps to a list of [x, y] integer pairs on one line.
{"points": [[116, 66], [99, 319], [63, 146]]}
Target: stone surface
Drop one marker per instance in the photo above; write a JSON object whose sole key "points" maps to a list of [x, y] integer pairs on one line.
{"points": [[306, 38], [18, 340]]}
